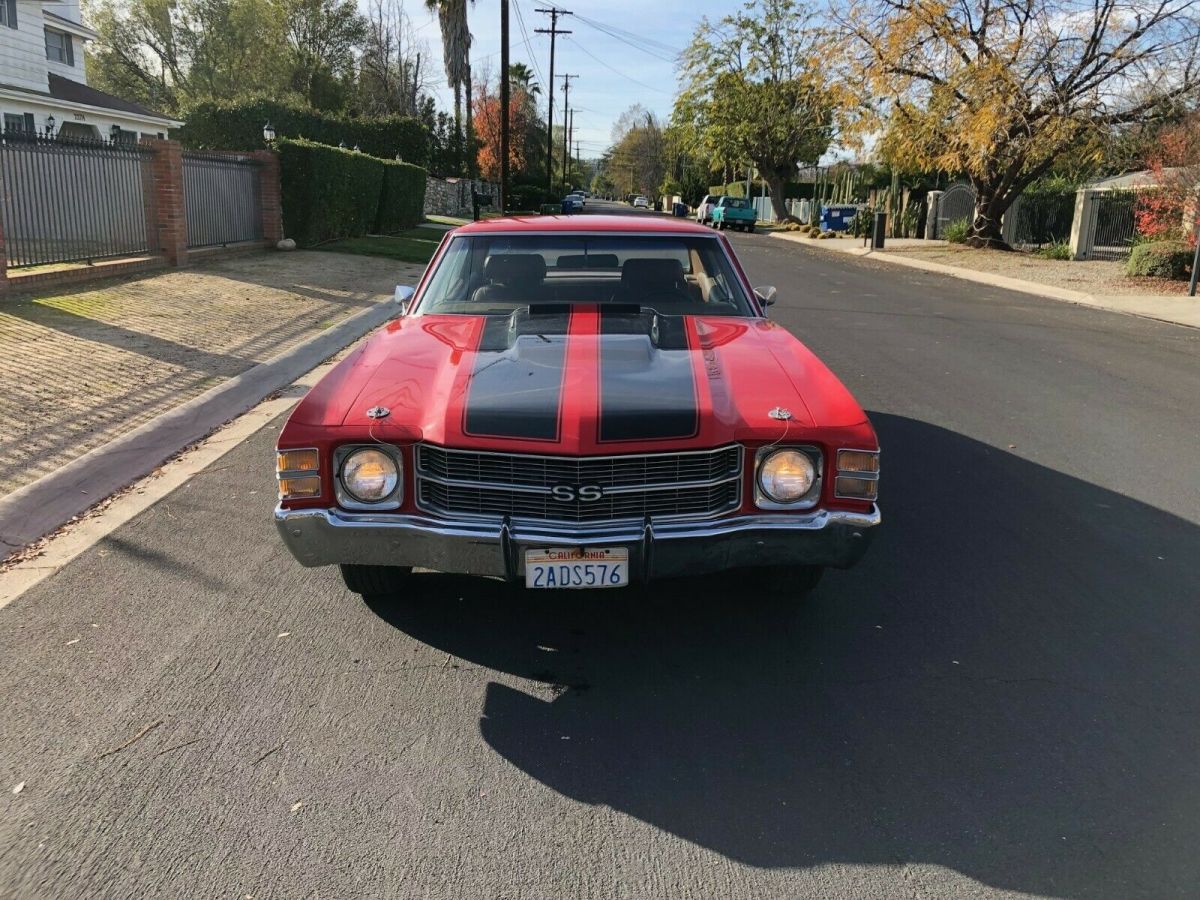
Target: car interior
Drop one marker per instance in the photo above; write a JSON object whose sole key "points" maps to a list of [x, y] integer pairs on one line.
{"points": [[674, 278]]}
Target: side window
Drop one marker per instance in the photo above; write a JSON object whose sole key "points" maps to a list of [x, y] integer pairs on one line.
{"points": [[8, 13], [58, 47]]}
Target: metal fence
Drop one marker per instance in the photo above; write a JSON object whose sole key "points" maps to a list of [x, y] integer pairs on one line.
{"points": [[221, 199], [1113, 224], [1039, 219], [65, 200]]}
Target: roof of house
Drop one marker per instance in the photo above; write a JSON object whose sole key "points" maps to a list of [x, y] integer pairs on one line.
{"points": [[585, 224], [76, 92], [1144, 178]]}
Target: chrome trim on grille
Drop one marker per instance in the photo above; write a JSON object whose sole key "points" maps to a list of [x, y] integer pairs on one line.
{"points": [[494, 485]]}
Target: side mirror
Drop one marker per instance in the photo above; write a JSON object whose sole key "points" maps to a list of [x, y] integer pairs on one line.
{"points": [[403, 297], [765, 294]]}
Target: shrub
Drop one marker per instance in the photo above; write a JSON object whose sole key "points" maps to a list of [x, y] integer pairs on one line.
{"points": [[401, 197], [327, 192], [238, 126], [1163, 259], [532, 196], [956, 232], [1057, 250]]}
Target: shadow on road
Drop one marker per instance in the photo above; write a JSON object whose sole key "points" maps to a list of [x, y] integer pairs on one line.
{"points": [[1004, 687]]}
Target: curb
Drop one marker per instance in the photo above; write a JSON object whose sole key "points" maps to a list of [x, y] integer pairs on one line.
{"points": [[1001, 281], [36, 509]]}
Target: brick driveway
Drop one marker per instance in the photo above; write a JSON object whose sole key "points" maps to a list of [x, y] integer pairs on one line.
{"points": [[80, 367]]}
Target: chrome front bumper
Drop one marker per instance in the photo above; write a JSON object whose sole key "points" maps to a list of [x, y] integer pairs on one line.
{"points": [[321, 537]]}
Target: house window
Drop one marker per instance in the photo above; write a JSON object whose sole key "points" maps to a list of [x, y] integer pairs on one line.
{"points": [[121, 136], [8, 13], [58, 47], [19, 123]]}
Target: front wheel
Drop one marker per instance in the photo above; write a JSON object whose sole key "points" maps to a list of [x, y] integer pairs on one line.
{"points": [[372, 580], [750, 228]]}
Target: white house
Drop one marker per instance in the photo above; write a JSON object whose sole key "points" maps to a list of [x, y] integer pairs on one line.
{"points": [[43, 86]]}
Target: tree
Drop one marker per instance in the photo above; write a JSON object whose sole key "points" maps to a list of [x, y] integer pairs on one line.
{"points": [[521, 76], [754, 92], [998, 90], [456, 57], [487, 122], [391, 77], [1169, 210], [169, 55], [637, 163], [322, 36]]}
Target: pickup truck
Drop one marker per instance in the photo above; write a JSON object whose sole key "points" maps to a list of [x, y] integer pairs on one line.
{"points": [[733, 212]]}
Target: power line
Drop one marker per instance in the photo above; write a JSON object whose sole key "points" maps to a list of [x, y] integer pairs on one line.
{"points": [[650, 48], [525, 34], [648, 87]]}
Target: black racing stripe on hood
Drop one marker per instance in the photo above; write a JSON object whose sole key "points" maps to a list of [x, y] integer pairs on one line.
{"points": [[647, 386], [516, 384]]}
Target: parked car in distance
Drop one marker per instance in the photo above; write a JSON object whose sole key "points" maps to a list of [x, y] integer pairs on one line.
{"points": [[572, 203], [663, 425], [641, 203], [704, 209], [733, 212]]}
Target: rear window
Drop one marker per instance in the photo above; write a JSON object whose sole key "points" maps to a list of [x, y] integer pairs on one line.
{"points": [[497, 273], [737, 203]]}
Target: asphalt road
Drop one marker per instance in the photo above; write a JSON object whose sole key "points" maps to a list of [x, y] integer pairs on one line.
{"points": [[1001, 698]]}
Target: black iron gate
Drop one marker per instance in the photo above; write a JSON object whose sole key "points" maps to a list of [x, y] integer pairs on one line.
{"points": [[1113, 224], [67, 199], [221, 199]]}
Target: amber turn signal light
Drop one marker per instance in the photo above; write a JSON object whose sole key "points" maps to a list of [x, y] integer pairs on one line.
{"points": [[856, 488], [304, 488], [857, 461], [297, 461]]}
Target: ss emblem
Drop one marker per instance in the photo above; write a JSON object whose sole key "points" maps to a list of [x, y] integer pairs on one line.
{"points": [[584, 493]]}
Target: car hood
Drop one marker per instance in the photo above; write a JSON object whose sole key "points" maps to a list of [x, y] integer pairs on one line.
{"points": [[579, 381]]}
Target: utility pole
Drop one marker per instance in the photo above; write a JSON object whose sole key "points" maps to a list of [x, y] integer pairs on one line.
{"points": [[553, 31], [566, 99], [504, 91]]}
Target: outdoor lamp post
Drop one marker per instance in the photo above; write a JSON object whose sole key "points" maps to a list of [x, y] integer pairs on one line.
{"points": [[50, 125], [356, 150], [268, 132], [114, 130], [342, 145]]}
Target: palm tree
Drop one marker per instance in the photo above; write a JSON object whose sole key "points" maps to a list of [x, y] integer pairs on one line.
{"points": [[520, 75], [456, 57]]}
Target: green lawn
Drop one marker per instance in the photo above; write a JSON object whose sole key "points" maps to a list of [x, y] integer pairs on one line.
{"points": [[416, 245]]}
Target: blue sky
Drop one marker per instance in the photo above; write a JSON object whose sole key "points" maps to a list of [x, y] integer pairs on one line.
{"points": [[613, 74]]}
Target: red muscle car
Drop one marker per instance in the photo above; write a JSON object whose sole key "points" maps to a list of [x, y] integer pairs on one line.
{"points": [[579, 403]]}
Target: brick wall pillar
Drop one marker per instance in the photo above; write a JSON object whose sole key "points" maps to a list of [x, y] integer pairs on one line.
{"points": [[164, 205], [269, 200]]}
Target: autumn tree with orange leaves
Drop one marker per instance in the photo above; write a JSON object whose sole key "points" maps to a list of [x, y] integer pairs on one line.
{"points": [[998, 90], [487, 131]]}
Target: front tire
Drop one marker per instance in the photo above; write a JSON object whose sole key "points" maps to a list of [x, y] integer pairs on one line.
{"points": [[750, 228], [372, 580]]}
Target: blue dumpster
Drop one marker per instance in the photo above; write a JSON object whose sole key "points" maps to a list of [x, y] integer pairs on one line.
{"points": [[679, 210], [837, 218]]}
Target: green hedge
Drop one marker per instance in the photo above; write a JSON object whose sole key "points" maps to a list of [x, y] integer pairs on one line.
{"points": [[239, 126], [1161, 259], [327, 192], [402, 197]]}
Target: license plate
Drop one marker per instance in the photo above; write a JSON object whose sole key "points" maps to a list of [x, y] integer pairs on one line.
{"points": [[577, 567]]}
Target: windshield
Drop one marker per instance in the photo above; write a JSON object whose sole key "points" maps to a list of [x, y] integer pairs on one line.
{"points": [[498, 273]]}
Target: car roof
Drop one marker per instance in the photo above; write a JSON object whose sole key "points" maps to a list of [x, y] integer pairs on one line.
{"points": [[585, 224]]}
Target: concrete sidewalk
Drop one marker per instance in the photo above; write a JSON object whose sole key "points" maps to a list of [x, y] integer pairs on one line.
{"points": [[1176, 308]]}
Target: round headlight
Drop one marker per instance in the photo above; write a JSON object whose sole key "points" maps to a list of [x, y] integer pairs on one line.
{"points": [[786, 475], [369, 475]]}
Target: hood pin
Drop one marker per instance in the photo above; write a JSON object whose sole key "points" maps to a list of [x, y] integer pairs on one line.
{"points": [[777, 413], [378, 412]]}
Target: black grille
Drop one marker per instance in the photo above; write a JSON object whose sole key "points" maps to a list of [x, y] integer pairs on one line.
{"points": [[460, 482]]}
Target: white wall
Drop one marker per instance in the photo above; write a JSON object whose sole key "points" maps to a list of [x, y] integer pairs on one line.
{"points": [[103, 120], [23, 50]]}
